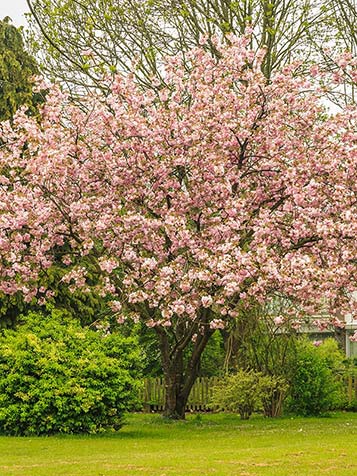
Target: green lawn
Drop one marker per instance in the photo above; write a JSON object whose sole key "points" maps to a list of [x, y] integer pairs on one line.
{"points": [[219, 445]]}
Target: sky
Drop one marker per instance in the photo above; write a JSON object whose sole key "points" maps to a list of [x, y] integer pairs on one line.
{"points": [[14, 9]]}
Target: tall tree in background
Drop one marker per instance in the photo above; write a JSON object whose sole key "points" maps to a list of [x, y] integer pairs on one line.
{"points": [[343, 18], [17, 67], [340, 17], [78, 41]]}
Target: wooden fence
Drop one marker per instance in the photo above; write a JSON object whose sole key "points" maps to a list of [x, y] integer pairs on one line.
{"points": [[153, 393], [350, 382]]}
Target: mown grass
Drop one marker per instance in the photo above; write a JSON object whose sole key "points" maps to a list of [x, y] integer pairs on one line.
{"points": [[219, 445]]}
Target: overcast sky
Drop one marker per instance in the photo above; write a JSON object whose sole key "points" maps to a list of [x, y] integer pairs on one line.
{"points": [[14, 9]]}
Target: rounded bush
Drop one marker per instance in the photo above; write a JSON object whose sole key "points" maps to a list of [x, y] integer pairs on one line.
{"points": [[56, 377], [238, 392], [314, 387], [248, 391]]}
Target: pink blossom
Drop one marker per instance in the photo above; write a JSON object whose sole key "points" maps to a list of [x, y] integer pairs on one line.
{"points": [[67, 260], [115, 306], [338, 323], [107, 265], [314, 70], [278, 320], [178, 308], [87, 52], [217, 324], [151, 323], [322, 325], [207, 301]]}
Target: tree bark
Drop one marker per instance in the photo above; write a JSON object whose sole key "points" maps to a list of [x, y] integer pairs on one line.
{"points": [[179, 379], [175, 404]]}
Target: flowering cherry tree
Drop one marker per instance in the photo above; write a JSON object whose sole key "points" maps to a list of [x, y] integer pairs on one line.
{"points": [[220, 190]]}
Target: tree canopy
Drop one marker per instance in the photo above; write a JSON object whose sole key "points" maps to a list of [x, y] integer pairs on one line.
{"points": [[186, 204]]}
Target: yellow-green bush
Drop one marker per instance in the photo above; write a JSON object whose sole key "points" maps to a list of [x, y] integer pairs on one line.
{"points": [[56, 377], [247, 391]]}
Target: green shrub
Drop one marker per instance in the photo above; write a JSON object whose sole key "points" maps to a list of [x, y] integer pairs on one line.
{"points": [[247, 391], [314, 387], [238, 393], [330, 352], [351, 406], [273, 391], [56, 377]]}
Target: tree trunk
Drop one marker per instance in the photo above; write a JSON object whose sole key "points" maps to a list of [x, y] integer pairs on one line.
{"points": [[175, 401], [179, 380]]}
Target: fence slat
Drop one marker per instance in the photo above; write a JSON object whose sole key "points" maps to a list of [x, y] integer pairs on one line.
{"points": [[153, 394]]}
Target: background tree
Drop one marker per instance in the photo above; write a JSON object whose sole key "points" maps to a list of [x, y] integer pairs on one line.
{"points": [[340, 16], [17, 67], [77, 41], [185, 205]]}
